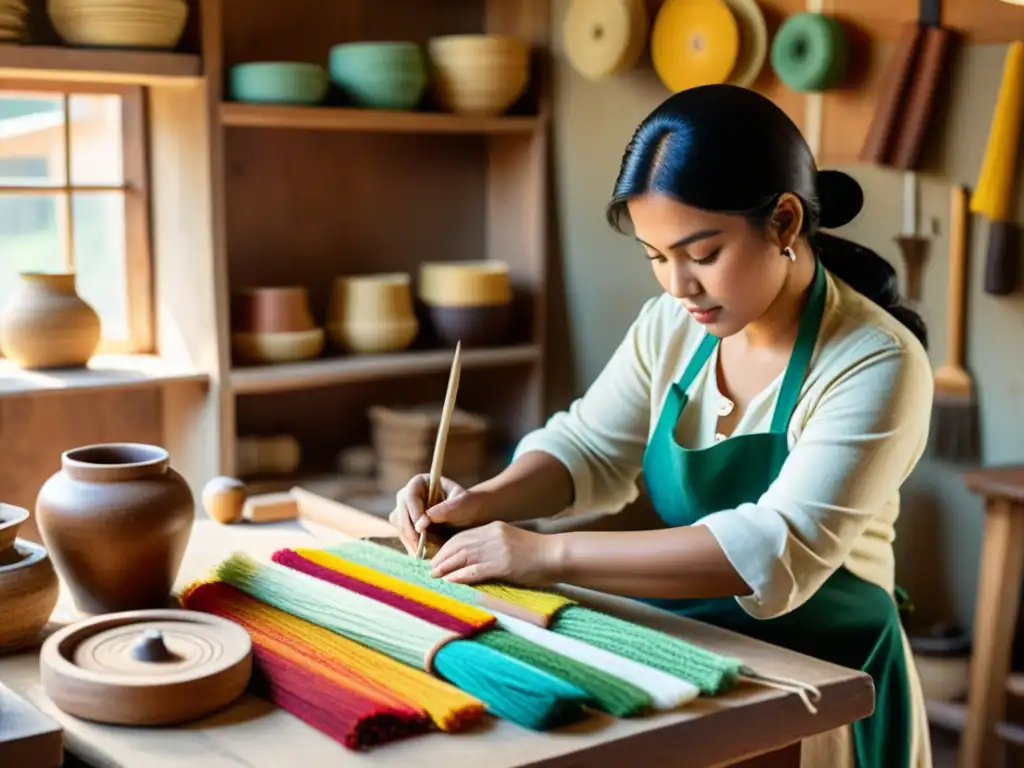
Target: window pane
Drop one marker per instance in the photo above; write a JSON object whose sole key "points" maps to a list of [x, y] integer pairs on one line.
{"points": [[31, 237], [99, 228], [31, 139], [96, 153]]}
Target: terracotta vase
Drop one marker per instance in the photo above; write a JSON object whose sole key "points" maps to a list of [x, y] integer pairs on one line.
{"points": [[116, 519], [28, 584], [46, 324]]}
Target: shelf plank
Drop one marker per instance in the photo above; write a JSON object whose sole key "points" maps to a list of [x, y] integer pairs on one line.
{"points": [[103, 373], [371, 120], [327, 372], [37, 62]]}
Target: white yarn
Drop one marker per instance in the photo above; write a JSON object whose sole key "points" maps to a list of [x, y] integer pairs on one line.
{"points": [[666, 691]]}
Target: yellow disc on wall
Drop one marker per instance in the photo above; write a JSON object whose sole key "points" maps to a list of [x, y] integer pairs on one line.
{"points": [[603, 38], [694, 42]]}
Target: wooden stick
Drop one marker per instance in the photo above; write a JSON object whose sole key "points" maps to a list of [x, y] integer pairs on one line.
{"points": [[434, 490]]}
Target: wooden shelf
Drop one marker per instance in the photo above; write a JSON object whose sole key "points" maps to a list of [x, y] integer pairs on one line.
{"points": [[35, 62], [370, 120], [341, 370], [104, 372]]}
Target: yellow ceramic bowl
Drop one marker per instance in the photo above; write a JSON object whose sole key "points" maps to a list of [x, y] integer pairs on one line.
{"points": [[289, 346]]}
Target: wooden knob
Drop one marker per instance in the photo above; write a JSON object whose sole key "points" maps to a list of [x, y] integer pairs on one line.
{"points": [[223, 499]]}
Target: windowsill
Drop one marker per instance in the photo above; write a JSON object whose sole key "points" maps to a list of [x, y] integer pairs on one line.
{"points": [[104, 373]]}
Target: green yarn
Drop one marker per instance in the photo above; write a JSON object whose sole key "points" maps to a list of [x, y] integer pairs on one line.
{"points": [[712, 673], [607, 692]]}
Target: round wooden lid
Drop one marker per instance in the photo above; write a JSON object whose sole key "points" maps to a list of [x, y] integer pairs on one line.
{"points": [[152, 667]]}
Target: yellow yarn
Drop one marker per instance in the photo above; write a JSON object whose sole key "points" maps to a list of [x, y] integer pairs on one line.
{"points": [[535, 600], [470, 614]]}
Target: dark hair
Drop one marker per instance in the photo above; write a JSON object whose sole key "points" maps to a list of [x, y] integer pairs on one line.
{"points": [[728, 149]]}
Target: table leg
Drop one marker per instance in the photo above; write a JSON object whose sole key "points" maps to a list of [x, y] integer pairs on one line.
{"points": [[995, 619]]}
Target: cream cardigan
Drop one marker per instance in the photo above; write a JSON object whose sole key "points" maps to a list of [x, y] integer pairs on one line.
{"points": [[859, 428]]}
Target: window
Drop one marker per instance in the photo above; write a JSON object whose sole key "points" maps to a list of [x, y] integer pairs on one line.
{"points": [[74, 197]]}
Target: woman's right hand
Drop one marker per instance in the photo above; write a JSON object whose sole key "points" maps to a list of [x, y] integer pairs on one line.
{"points": [[459, 508]]}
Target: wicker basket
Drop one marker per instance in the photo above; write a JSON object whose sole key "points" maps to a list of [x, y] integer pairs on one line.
{"points": [[157, 24]]}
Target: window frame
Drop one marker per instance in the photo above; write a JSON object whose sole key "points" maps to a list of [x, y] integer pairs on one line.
{"points": [[135, 191]]}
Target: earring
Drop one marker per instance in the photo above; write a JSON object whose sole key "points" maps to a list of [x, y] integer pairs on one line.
{"points": [[789, 253]]}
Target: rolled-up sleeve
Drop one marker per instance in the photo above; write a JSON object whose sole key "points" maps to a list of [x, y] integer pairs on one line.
{"points": [[857, 446], [601, 437]]}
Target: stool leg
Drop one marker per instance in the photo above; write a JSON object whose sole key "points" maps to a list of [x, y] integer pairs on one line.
{"points": [[995, 618]]}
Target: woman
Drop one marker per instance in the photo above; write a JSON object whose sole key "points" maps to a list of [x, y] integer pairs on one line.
{"points": [[774, 399]]}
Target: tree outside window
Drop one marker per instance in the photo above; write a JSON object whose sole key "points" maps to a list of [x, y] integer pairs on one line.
{"points": [[73, 197]]}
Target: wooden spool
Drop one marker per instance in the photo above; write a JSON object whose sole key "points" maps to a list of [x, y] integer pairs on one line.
{"points": [[146, 668]]}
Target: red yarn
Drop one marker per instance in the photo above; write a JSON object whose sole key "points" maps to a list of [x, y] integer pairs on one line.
{"points": [[297, 562]]}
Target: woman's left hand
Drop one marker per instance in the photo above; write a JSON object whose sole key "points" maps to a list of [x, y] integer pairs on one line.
{"points": [[497, 551]]}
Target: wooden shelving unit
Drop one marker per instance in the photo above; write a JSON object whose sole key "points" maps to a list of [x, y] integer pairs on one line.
{"points": [[305, 194], [55, 62]]}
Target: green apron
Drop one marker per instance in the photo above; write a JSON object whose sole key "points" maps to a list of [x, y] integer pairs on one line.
{"points": [[848, 621]]}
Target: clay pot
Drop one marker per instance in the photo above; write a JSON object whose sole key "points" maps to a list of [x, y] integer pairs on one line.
{"points": [[467, 301], [29, 588], [116, 519], [372, 313], [272, 310], [45, 324]]}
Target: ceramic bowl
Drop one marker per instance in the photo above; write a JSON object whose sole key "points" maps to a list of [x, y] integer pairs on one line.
{"points": [[479, 74], [465, 283], [279, 82], [11, 519], [372, 313], [380, 75], [277, 347]]}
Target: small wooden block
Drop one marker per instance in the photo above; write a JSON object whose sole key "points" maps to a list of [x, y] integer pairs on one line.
{"points": [[270, 508], [28, 738]]}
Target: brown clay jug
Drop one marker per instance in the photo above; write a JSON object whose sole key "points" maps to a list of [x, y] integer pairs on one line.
{"points": [[116, 519], [46, 324], [28, 584]]}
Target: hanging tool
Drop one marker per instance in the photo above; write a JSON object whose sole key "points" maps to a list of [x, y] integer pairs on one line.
{"points": [[913, 247], [955, 409], [994, 193], [906, 98]]}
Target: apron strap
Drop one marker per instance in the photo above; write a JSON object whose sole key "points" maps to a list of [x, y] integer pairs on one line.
{"points": [[697, 361], [803, 350]]}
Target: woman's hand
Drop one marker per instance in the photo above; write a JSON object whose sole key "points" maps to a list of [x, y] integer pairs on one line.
{"points": [[498, 551], [460, 508]]}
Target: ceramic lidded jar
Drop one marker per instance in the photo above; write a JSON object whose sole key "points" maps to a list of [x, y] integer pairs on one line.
{"points": [[116, 519], [28, 584], [46, 324]]}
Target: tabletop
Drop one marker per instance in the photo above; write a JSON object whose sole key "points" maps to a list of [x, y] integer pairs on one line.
{"points": [[253, 733]]}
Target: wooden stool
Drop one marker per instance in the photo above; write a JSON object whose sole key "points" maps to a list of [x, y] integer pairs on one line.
{"points": [[997, 606]]}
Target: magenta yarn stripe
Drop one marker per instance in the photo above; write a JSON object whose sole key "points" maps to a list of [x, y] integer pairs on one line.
{"points": [[439, 618]]}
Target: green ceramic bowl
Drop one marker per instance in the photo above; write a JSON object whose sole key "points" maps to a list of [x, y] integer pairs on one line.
{"points": [[380, 75], [279, 82]]}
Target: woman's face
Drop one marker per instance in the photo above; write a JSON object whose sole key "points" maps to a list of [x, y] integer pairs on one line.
{"points": [[725, 272]]}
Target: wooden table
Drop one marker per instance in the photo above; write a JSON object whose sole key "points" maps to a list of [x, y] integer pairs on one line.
{"points": [[756, 724]]}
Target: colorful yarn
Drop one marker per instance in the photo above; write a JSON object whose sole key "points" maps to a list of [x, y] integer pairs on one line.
{"points": [[510, 689], [310, 566], [467, 614], [665, 691], [712, 673], [357, 714], [449, 708], [607, 693]]}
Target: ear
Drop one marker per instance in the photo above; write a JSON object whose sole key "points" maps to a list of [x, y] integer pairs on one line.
{"points": [[787, 220]]}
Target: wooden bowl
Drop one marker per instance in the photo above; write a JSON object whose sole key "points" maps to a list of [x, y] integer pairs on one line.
{"points": [[285, 347], [272, 310], [11, 519], [119, 23], [28, 582], [479, 74]]}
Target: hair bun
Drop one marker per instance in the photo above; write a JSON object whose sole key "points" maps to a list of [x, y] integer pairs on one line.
{"points": [[841, 198]]}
